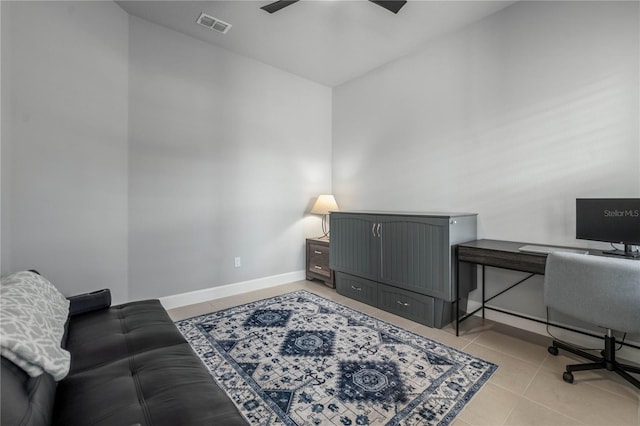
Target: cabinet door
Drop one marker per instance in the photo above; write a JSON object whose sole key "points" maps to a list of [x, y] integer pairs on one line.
{"points": [[355, 247], [415, 255]]}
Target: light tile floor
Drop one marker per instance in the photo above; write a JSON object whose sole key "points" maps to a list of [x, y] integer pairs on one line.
{"points": [[527, 388]]}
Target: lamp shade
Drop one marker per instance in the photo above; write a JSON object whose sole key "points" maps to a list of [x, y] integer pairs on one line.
{"points": [[325, 204]]}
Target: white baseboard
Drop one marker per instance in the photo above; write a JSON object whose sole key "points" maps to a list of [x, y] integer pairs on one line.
{"points": [[192, 297]]}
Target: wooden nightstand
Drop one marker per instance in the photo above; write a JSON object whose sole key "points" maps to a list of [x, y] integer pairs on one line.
{"points": [[318, 261]]}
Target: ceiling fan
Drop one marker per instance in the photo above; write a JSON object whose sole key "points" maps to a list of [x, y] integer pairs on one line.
{"points": [[391, 5]]}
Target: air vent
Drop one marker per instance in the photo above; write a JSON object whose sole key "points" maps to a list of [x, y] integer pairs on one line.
{"points": [[213, 23]]}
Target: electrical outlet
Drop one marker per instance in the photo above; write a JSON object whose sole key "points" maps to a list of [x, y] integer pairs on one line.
{"points": [[238, 262]]}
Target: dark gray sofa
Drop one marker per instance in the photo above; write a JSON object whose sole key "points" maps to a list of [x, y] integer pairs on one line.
{"points": [[129, 366]]}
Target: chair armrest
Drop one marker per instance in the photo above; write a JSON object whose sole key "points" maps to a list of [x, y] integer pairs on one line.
{"points": [[88, 302]]}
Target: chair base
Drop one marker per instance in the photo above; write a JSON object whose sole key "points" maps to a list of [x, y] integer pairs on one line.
{"points": [[606, 362]]}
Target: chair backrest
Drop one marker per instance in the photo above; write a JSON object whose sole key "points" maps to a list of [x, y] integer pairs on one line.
{"points": [[604, 291]]}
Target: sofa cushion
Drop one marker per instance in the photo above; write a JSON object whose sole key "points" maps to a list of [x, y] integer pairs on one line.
{"points": [[108, 335], [163, 386], [130, 365]]}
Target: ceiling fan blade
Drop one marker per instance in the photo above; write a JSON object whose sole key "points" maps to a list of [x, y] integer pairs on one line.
{"points": [[391, 5], [276, 6]]}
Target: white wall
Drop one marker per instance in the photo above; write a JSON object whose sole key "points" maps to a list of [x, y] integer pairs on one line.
{"points": [[140, 159], [512, 117], [64, 143], [3, 105], [225, 155]]}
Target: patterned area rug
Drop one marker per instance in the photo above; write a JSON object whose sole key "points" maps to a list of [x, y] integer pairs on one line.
{"points": [[300, 359]]}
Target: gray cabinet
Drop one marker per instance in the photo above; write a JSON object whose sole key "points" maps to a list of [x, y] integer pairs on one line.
{"points": [[410, 258]]}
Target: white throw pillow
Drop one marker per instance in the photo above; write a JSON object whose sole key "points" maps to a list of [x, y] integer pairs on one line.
{"points": [[32, 317]]}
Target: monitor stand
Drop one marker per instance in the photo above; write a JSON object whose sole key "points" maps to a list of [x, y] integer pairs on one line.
{"points": [[627, 252]]}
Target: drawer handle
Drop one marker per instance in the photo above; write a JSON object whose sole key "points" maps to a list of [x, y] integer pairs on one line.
{"points": [[317, 267], [317, 252], [403, 304], [356, 288]]}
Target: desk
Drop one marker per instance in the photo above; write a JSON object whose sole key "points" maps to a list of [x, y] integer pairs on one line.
{"points": [[505, 255]]}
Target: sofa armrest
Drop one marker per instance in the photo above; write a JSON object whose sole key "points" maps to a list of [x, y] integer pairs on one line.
{"points": [[88, 302]]}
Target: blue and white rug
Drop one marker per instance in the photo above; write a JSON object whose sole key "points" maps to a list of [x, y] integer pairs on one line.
{"points": [[300, 359]]}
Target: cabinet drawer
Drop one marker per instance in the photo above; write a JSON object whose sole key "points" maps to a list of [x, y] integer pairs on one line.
{"points": [[357, 288], [414, 306]]}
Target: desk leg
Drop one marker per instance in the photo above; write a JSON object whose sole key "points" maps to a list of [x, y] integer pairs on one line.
{"points": [[482, 291], [457, 305]]}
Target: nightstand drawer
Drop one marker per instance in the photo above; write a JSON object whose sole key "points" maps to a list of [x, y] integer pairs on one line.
{"points": [[320, 268], [318, 261], [319, 252]]}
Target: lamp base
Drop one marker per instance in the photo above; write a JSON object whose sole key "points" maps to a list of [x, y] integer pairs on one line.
{"points": [[325, 227]]}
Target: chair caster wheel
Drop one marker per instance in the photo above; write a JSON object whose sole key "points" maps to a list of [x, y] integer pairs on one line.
{"points": [[553, 350], [567, 377]]}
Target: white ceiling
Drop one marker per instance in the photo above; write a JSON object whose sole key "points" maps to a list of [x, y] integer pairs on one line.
{"points": [[327, 41]]}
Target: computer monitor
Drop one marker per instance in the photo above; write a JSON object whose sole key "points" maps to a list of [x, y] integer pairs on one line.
{"points": [[612, 220]]}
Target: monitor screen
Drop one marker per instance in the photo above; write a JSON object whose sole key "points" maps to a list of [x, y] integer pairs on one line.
{"points": [[613, 220]]}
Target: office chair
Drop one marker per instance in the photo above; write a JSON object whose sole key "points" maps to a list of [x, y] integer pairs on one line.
{"points": [[600, 290]]}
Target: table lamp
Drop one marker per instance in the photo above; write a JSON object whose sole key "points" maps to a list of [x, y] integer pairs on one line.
{"points": [[323, 205]]}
